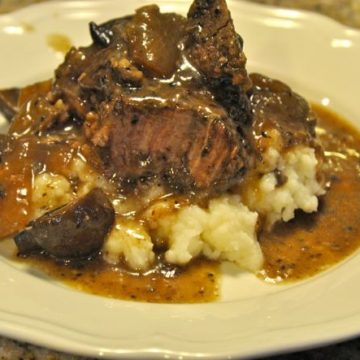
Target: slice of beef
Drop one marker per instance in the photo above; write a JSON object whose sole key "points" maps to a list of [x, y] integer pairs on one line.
{"points": [[182, 147], [151, 104]]}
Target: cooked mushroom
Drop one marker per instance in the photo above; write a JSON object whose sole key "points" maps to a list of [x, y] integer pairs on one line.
{"points": [[75, 230]]}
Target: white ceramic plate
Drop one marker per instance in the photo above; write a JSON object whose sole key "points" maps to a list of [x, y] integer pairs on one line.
{"points": [[316, 56]]}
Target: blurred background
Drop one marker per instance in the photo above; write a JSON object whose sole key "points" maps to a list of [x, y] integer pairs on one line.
{"points": [[345, 11]]}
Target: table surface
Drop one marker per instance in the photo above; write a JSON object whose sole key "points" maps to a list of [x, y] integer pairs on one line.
{"points": [[345, 11]]}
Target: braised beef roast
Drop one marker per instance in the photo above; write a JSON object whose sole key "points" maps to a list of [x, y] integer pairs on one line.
{"points": [[148, 96], [166, 98]]}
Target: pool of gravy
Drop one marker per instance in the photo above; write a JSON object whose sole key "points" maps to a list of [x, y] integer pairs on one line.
{"points": [[195, 283], [293, 251]]}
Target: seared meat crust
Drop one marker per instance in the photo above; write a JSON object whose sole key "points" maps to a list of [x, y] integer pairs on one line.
{"points": [[213, 46], [216, 50]]}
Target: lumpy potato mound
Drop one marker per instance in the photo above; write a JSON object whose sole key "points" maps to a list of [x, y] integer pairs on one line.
{"points": [[226, 229]]}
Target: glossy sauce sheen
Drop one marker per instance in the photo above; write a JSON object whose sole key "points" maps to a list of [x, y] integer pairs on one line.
{"points": [[293, 251]]}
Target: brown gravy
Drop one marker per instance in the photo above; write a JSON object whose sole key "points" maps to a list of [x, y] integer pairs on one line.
{"points": [[293, 251], [312, 242], [197, 282]]}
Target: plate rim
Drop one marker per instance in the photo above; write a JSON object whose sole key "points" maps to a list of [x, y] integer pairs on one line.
{"points": [[9, 325]]}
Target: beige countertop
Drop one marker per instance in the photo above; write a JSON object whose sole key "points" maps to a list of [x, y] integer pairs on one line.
{"points": [[345, 11]]}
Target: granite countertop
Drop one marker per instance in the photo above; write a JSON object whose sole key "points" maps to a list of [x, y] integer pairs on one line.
{"points": [[345, 11]]}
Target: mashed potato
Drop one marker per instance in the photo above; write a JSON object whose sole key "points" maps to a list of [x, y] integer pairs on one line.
{"points": [[226, 230], [50, 191], [300, 188], [87, 178], [129, 243]]}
